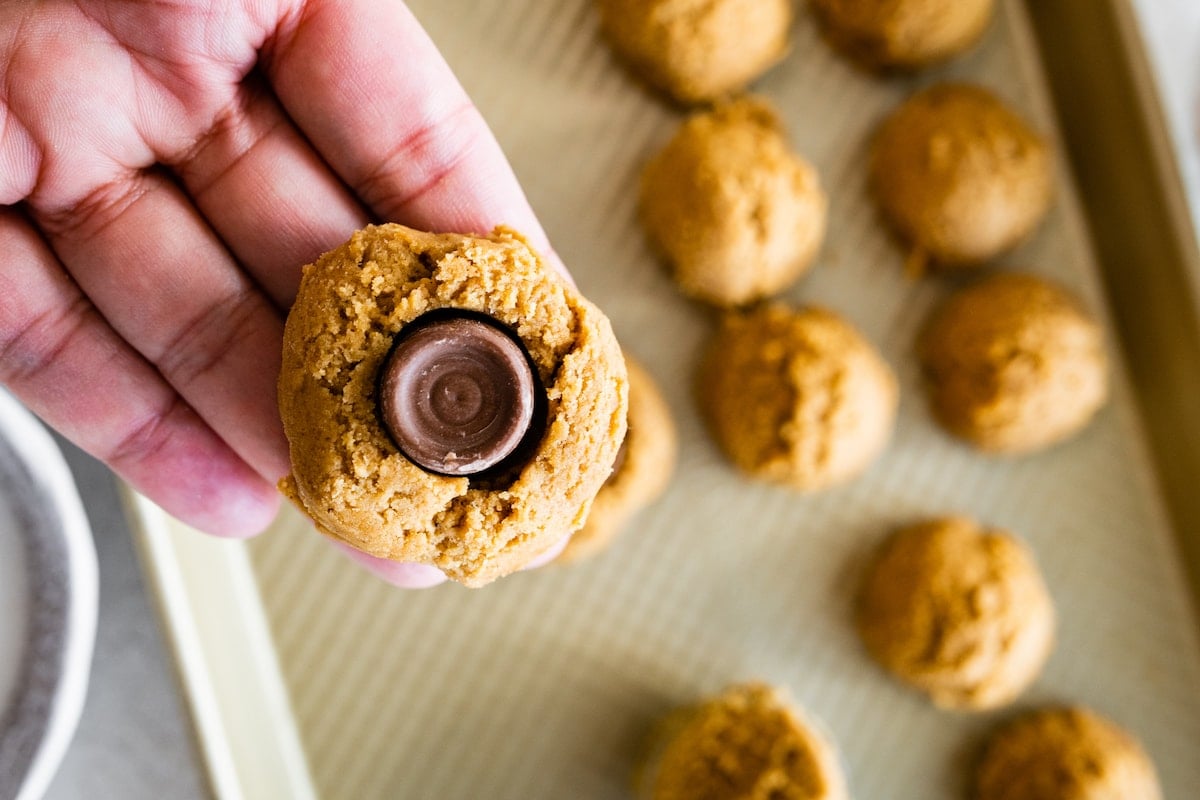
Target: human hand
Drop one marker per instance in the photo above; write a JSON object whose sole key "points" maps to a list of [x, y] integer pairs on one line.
{"points": [[165, 170]]}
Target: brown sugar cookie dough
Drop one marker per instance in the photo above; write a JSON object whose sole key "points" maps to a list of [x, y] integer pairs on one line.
{"points": [[697, 50], [735, 214], [1013, 364], [749, 743], [902, 34], [1064, 754], [959, 176], [958, 612], [796, 397], [388, 285], [642, 471]]}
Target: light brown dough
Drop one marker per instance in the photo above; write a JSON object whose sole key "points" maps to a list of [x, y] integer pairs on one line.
{"points": [[903, 34], [642, 472], [735, 214], [348, 475], [959, 176], [1065, 754], [697, 50], [749, 743], [796, 397], [958, 612], [1013, 364]]}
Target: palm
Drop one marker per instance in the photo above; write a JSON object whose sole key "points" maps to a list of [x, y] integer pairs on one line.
{"points": [[165, 170]]}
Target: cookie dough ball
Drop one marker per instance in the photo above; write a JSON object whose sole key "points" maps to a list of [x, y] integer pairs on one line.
{"points": [[642, 471], [959, 176], [357, 466], [747, 744], [1065, 754], [958, 612], [796, 397], [697, 50], [735, 214], [1013, 364], [902, 34]]}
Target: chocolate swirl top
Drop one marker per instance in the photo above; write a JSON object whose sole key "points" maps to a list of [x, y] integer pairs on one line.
{"points": [[457, 394]]}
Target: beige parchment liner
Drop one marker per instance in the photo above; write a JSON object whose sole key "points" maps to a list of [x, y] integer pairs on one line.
{"points": [[541, 685]]}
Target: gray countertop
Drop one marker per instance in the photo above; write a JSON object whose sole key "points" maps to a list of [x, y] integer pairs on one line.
{"points": [[134, 739]]}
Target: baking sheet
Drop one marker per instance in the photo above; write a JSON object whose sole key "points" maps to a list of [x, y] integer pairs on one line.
{"points": [[542, 685]]}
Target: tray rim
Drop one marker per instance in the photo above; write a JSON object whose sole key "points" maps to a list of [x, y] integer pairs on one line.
{"points": [[235, 694]]}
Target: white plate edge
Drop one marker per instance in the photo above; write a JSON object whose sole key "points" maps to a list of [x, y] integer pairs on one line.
{"points": [[46, 464]]}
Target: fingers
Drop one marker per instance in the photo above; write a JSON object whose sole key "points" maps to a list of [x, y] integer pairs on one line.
{"points": [[166, 285], [64, 361], [371, 92], [289, 207], [551, 554], [406, 576]]}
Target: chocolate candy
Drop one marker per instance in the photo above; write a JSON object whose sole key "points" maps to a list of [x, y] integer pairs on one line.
{"points": [[457, 394]]}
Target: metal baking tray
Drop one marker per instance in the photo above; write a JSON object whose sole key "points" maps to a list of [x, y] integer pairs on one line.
{"points": [[307, 677]]}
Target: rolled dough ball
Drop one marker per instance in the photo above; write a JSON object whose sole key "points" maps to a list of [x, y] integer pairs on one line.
{"points": [[734, 212], [903, 34], [697, 50], [748, 743], [959, 176], [1065, 754], [798, 398], [1013, 364], [958, 612]]}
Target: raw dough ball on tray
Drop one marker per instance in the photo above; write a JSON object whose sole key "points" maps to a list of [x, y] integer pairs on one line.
{"points": [[798, 398], [1013, 364], [697, 50], [734, 212], [958, 612], [959, 176], [748, 743], [902, 34], [1065, 754]]}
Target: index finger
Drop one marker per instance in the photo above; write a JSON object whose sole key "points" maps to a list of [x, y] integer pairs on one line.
{"points": [[375, 97]]}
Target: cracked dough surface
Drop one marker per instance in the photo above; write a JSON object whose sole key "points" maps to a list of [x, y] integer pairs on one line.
{"points": [[697, 50], [1013, 364], [796, 397], [350, 478], [1065, 754], [957, 611], [749, 743], [959, 176], [642, 471], [903, 34], [732, 210]]}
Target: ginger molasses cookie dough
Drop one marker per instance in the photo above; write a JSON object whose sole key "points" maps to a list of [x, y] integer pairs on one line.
{"points": [[902, 34], [697, 50], [732, 210], [1064, 754], [959, 176], [749, 743], [796, 397], [1013, 364], [448, 400], [957, 611], [641, 473]]}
